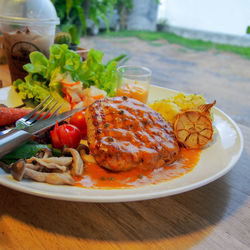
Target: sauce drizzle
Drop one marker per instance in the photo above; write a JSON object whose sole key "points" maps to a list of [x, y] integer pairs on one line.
{"points": [[99, 178]]}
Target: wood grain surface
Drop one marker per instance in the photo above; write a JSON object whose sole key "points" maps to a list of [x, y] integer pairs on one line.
{"points": [[5, 75], [215, 216]]}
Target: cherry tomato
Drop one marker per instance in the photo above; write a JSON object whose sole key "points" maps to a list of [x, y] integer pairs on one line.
{"points": [[78, 120], [65, 135]]}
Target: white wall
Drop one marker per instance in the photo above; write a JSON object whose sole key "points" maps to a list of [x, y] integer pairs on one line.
{"points": [[224, 16]]}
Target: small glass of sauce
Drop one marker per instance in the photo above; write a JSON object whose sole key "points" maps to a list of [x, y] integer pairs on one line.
{"points": [[134, 82]]}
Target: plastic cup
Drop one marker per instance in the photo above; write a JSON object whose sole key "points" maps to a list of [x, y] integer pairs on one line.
{"points": [[26, 26], [134, 82], [21, 40]]}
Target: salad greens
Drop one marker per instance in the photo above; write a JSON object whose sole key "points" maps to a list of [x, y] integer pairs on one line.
{"points": [[45, 74]]}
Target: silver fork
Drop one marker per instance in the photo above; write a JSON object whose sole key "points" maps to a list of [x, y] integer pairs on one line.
{"points": [[15, 137], [33, 116]]}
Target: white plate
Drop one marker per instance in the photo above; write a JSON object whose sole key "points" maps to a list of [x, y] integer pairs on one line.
{"points": [[215, 161]]}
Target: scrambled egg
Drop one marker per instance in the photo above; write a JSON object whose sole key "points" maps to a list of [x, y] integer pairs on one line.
{"points": [[188, 101], [170, 107]]}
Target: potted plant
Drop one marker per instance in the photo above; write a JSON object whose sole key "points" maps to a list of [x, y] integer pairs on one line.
{"points": [[75, 14], [161, 24], [66, 38]]}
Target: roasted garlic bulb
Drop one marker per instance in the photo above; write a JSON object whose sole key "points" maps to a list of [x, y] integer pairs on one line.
{"points": [[193, 128]]}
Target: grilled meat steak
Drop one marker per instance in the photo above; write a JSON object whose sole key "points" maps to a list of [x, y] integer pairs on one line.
{"points": [[124, 133]]}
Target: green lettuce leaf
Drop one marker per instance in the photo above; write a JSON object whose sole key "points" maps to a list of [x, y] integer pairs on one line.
{"points": [[94, 72], [45, 74], [32, 89], [38, 65]]}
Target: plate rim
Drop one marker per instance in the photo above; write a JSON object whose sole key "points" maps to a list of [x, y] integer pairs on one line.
{"points": [[9, 183]]}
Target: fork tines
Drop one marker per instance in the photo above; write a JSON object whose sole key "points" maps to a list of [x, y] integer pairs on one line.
{"points": [[34, 115]]}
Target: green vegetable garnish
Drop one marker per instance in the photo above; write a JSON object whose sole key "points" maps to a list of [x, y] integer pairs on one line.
{"points": [[45, 74], [25, 151]]}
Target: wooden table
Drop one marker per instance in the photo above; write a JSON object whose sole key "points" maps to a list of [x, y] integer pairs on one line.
{"points": [[216, 216], [5, 75]]}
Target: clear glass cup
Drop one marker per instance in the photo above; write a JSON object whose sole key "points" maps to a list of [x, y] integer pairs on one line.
{"points": [[133, 82]]}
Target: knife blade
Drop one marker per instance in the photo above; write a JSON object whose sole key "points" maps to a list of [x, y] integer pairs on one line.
{"points": [[44, 124]]}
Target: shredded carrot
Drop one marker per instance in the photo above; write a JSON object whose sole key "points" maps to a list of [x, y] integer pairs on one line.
{"points": [[97, 97], [70, 84]]}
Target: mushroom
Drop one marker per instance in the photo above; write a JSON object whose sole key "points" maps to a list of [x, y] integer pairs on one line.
{"points": [[18, 169], [77, 165], [36, 167], [59, 163], [84, 153], [62, 161], [44, 153], [60, 179], [40, 168], [83, 147], [50, 178]]}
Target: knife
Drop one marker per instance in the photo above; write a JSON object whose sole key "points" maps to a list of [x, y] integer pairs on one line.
{"points": [[16, 137]]}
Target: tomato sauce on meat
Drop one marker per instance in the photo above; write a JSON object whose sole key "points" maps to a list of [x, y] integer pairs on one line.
{"points": [[97, 177]]}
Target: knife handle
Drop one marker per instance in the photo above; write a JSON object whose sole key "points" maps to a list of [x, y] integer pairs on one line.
{"points": [[12, 140]]}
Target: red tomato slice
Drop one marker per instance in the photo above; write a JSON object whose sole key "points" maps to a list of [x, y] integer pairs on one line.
{"points": [[56, 142], [78, 120], [65, 135]]}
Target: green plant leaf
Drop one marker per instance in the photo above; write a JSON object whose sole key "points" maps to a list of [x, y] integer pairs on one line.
{"points": [[73, 31], [248, 30], [76, 13], [69, 5], [82, 17]]}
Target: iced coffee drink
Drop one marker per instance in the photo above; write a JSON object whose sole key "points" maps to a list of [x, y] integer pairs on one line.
{"points": [[19, 44], [26, 26]]}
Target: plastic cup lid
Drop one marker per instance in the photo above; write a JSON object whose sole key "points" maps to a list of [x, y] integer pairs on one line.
{"points": [[28, 21], [28, 12]]}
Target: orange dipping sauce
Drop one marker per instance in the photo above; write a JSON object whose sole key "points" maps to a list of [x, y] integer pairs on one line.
{"points": [[99, 178], [135, 91]]}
